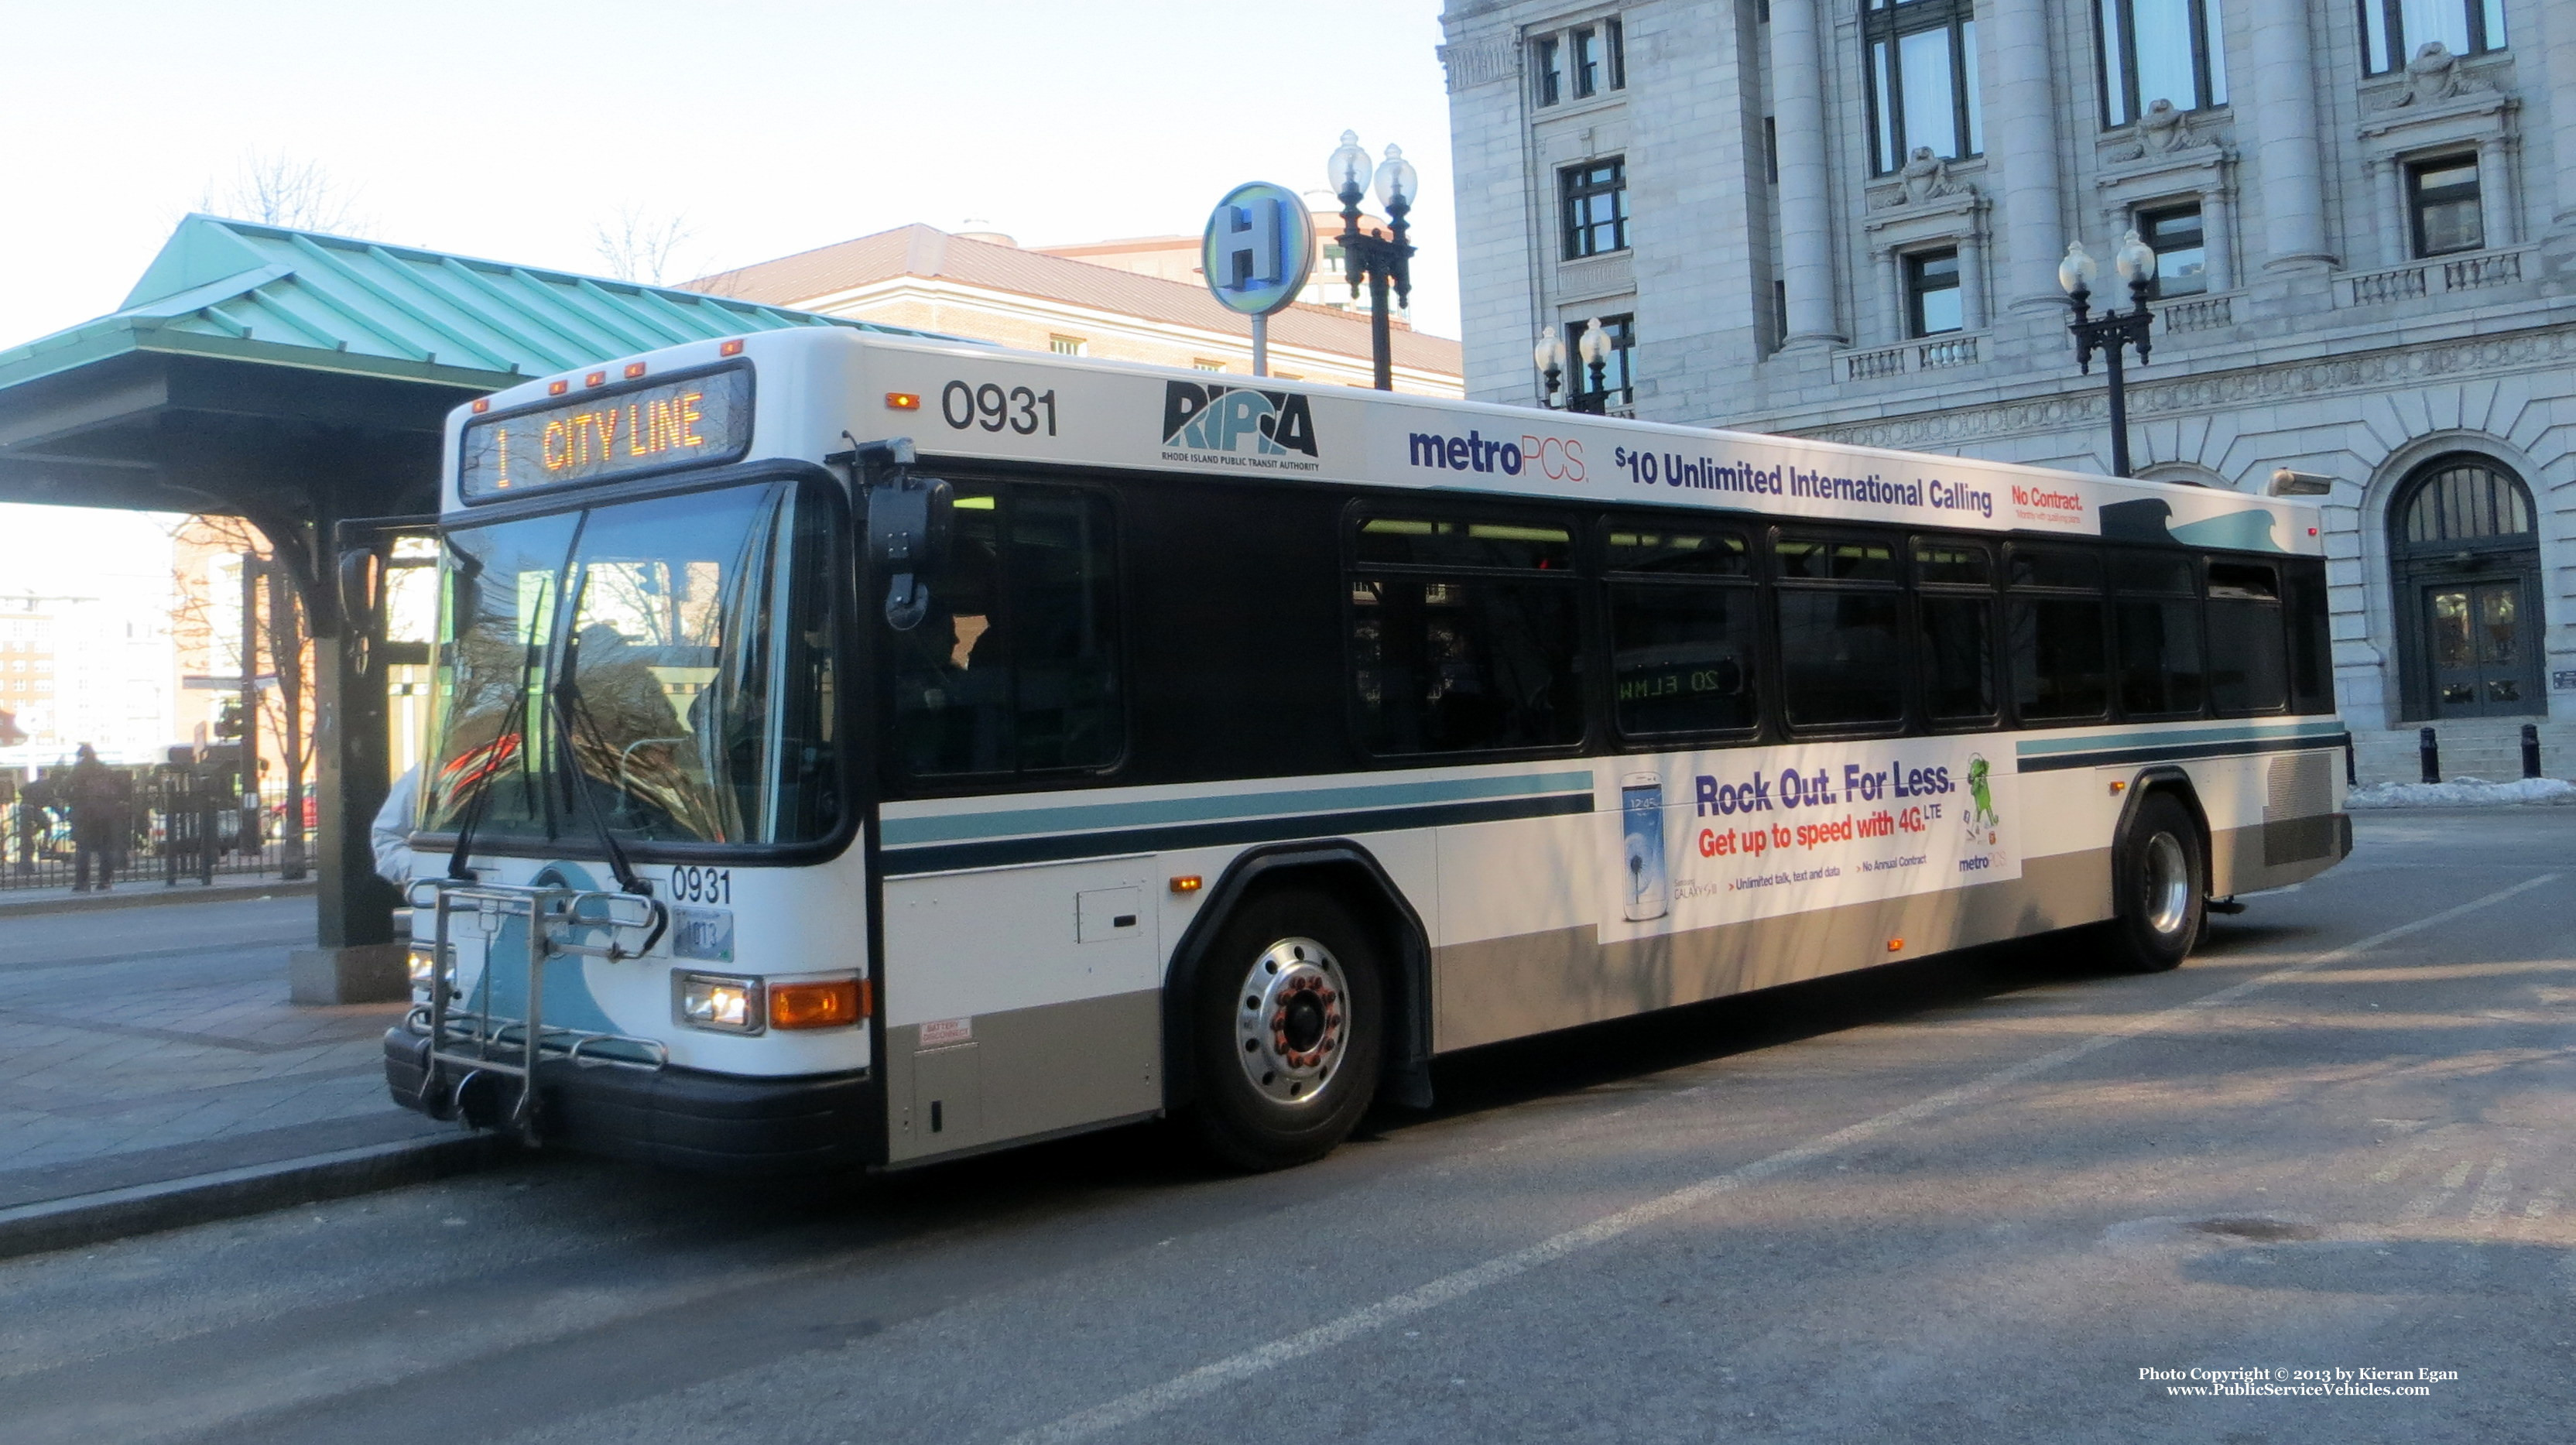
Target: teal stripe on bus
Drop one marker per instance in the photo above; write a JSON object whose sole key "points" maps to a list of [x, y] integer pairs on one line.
{"points": [[2178, 736], [1220, 807]]}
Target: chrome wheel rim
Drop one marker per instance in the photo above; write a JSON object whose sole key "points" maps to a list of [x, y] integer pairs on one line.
{"points": [[1291, 1021], [2168, 884]]}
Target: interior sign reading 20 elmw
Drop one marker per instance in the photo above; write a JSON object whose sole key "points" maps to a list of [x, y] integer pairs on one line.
{"points": [[689, 421]]}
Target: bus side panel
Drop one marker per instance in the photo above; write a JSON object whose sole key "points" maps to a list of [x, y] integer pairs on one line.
{"points": [[1503, 988], [2273, 820], [1020, 1002]]}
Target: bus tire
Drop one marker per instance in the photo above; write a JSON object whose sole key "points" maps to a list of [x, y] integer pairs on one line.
{"points": [[1288, 1031], [2158, 900]]}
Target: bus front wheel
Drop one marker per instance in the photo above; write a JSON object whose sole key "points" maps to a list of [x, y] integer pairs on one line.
{"points": [[2156, 874], [1289, 1028]]}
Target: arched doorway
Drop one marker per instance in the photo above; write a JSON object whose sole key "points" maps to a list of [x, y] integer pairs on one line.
{"points": [[2464, 557]]}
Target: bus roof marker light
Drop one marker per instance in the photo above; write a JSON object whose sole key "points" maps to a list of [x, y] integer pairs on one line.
{"points": [[903, 401], [482, 404], [1187, 883], [557, 388], [596, 378], [1896, 945], [634, 369], [730, 348]]}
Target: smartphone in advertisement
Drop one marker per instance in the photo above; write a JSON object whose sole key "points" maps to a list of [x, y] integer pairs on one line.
{"points": [[1647, 890]]}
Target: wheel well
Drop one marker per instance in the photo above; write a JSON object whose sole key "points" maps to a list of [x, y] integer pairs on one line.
{"points": [[2176, 784], [1352, 876]]}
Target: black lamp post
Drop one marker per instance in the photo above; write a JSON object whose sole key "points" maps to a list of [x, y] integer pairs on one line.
{"points": [[2112, 331], [1549, 357], [1384, 260]]}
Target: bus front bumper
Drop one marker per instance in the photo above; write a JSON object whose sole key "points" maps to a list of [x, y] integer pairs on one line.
{"points": [[679, 1118]]}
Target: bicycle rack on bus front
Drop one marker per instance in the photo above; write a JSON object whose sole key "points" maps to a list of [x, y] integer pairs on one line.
{"points": [[562, 923]]}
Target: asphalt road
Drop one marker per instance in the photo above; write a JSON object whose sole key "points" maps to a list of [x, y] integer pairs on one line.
{"points": [[1964, 1199]]}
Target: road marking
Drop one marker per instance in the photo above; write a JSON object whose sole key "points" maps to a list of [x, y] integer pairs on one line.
{"points": [[1139, 1405], [2492, 1192]]}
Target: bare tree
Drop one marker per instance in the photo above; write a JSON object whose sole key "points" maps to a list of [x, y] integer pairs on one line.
{"points": [[285, 710], [641, 248], [280, 190]]}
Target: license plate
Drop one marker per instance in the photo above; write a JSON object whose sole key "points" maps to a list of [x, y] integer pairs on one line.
{"points": [[702, 933]]}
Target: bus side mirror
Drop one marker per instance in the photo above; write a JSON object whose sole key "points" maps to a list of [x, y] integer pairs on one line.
{"points": [[907, 540], [362, 580]]}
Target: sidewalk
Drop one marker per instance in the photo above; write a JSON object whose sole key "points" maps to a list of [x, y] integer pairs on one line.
{"points": [[152, 1071], [148, 892]]}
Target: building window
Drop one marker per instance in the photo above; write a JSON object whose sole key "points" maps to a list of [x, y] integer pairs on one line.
{"points": [[1586, 42], [2442, 197], [1201, 363], [1614, 44], [1932, 293], [2393, 30], [2182, 252], [1922, 80], [2155, 50], [1068, 346], [1543, 68], [1617, 378], [1771, 149], [1779, 313], [1596, 208]]}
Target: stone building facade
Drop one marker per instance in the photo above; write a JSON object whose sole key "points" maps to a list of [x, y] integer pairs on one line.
{"points": [[1844, 219]]}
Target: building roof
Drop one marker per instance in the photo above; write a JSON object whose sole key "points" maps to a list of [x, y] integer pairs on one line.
{"points": [[814, 277], [251, 292]]}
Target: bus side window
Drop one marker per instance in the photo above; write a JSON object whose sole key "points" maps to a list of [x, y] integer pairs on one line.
{"points": [[1841, 661], [2054, 623], [1955, 603], [1016, 669], [1463, 636], [2248, 668], [2158, 618], [1683, 633], [2311, 638]]}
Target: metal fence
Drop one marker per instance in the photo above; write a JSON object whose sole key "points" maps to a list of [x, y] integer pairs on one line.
{"points": [[182, 828]]}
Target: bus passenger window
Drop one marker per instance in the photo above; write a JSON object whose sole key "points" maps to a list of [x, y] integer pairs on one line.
{"points": [[2311, 638], [2248, 671], [2061, 661], [2158, 617], [1455, 646], [1839, 659], [1682, 659], [1958, 657], [1016, 667]]}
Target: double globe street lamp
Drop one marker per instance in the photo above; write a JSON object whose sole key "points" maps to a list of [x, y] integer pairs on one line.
{"points": [[2113, 330], [1593, 349], [1383, 260]]}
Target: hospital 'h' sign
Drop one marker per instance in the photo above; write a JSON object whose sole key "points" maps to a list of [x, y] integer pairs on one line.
{"points": [[1259, 245]]}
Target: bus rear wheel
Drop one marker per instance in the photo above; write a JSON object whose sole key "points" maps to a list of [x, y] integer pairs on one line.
{"points": [[2160, 903], [1288, 1029]]}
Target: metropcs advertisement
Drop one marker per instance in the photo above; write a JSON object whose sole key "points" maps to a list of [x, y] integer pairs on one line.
{"points": [[1698, 840]]}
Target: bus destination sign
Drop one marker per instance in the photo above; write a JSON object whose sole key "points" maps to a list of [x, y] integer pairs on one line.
{"points": [[699, 419]]}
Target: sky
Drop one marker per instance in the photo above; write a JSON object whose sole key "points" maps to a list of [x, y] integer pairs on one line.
{"points": [[765, 127]]}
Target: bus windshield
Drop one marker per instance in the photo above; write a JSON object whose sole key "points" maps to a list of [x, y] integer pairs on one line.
{"points": [[660, 668]]}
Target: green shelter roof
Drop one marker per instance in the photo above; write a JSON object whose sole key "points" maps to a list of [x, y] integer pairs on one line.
{"points": [[250, 292]]}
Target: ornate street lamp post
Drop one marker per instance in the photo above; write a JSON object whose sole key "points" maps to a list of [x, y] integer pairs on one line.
{"points": [[1383, 260], [2113, 330], [1549, 357], [1594, 348]]}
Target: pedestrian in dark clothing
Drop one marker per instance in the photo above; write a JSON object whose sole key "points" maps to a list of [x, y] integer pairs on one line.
{"points": [[97, 796]]}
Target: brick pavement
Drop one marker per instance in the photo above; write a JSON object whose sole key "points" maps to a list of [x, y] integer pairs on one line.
{"points": [[148, 1044]]}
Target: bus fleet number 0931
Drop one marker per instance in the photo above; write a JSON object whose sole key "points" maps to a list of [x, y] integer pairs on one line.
{"points": [[992, 408], [702, 885]]}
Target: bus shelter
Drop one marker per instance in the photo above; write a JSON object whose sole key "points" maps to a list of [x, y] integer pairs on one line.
{"points": [[299, 380]]}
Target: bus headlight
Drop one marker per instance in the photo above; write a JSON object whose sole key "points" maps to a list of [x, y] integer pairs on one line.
{"points": [[720, 1002]]}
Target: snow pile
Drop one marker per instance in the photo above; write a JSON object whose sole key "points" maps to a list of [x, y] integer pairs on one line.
{"points": [[2463, 793]]}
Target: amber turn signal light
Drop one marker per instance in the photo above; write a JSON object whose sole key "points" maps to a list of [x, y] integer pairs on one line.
{"points": [[1186, 883], [903, 400], [826, 1004]]}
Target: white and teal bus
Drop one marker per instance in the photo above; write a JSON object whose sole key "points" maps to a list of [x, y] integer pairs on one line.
{"points": [[864, 750]]}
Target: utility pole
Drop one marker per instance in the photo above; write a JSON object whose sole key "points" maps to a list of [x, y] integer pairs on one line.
{"points": [[250, 810]]}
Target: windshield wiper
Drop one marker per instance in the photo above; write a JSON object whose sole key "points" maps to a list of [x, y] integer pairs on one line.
{"points": [[561, 688]]}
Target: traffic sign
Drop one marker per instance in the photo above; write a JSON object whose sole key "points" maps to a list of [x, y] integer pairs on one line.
{"points": [[1259, 246]]}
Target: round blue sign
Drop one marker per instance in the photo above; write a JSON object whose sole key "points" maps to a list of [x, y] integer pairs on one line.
{"points": [[1260, 244]]}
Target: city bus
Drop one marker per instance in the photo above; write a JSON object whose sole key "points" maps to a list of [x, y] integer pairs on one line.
{"points": [[853, 750]]}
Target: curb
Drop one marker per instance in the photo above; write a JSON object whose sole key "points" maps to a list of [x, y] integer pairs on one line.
{"points": [[232, 1193], [155, 897]]}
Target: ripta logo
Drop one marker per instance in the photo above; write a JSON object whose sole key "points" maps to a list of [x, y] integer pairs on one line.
{"points": [[1213, 417]]}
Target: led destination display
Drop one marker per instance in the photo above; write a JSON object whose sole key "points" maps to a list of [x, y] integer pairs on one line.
{"points": [[601, 437]]}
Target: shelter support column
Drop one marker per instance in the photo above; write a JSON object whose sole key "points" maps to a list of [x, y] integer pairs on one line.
{"points": [[359, 959]]}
